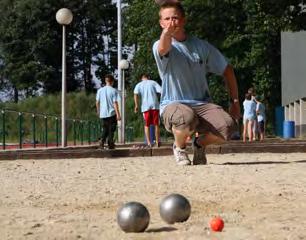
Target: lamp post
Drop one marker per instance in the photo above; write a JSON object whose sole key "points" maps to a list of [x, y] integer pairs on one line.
{"points": [[64, 17], [119, 55], [123, 65]]}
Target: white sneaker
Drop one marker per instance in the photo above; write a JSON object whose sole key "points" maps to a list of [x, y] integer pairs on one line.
{"points": [[181, 156], [199, 155]]}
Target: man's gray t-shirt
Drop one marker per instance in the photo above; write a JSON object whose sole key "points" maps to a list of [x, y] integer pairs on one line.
{"points": [[148, 90], [107, 96], [183, 71]]}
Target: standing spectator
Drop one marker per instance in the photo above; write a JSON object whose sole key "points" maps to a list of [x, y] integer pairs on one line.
{"points": [[261, 117], [148, 90], [108, 111], [249, 116], [183, 63], [255, 124]]}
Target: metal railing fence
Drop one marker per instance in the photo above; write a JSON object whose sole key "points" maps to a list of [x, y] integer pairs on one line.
{"points": [[28, 129]]}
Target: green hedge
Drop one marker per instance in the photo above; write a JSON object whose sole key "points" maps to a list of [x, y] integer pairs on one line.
{"points": [[79, 106]]}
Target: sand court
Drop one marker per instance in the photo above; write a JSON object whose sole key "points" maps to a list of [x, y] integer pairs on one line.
{"points": [[259, 196]]}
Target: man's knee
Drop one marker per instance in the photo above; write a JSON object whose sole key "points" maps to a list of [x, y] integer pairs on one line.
{"points": [[183, 132], [228, 128], [216, 121], [180, 117]]}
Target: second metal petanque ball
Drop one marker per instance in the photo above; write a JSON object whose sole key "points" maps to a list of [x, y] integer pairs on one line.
{"points": [[133, 217], [175, 208]]}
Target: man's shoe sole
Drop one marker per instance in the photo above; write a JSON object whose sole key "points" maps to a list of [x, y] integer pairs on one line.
{"points": [[183, 163]]}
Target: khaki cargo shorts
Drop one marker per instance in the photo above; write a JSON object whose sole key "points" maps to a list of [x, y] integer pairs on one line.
{"points": [[204, 118]]}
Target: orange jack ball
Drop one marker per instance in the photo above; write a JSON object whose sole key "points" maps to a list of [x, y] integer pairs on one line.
{"points": [[217, 224]]}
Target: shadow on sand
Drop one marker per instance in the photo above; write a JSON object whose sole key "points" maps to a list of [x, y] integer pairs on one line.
{"points": [[259, 162], [162, 229]]}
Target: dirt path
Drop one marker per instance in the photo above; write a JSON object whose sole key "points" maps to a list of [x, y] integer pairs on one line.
{"points": [[259, 196]]}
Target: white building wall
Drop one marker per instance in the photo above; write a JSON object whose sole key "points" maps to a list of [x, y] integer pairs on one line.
{"points": [[303, 118], [296, 113]]}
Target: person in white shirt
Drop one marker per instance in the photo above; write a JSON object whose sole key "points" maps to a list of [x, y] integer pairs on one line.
{"points": [[148, 90], [252, 91], [249, 117], [108, 111]]}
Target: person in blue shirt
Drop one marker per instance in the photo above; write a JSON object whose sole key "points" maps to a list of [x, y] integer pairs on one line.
{"points": [[261, 117], [252, 91], [183, 61], [249, 117], [108, 111], [149, 91]]}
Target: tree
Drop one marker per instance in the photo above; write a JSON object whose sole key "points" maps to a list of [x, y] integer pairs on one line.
{"points": [[93, 37], [141, 36], [30, 40], [246, 31], [22, 65]]}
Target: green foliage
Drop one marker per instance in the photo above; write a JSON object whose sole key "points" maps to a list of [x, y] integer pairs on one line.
{"points": [[26, 43], [246, 31], [30, 44], [79, 105], [141, 36], [134, 120]]}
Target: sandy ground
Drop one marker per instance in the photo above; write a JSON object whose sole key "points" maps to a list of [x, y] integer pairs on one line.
{"points": [[259, 196]]}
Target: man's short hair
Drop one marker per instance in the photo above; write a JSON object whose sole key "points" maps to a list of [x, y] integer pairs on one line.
{"points": [[251, 90], [248, 96], [144, 75], [177, 5], [109, 78]]}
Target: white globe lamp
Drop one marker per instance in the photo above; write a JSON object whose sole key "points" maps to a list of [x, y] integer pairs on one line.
{"points": [[124, 64], [64, 16]]}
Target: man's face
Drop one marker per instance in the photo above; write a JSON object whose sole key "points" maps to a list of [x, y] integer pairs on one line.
{"points": [[171, 15]]}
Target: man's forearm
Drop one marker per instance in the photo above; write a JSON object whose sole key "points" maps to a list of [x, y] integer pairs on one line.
{"points": [[98, 107], [232, 86], [136, 100], [164, 45], [231, 82], [117, 109]]}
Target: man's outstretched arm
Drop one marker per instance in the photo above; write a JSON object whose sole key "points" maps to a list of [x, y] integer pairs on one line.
{"points": [[231, 83]]}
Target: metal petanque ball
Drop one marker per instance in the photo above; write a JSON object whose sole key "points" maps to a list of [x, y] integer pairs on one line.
{"points": [[133, 217], [175, 208]]}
